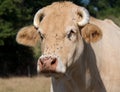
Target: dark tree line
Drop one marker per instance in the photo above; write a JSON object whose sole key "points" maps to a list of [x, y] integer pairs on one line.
{"points": [[16, 59]]}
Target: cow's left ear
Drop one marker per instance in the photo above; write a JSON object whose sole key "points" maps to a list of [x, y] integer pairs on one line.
{"points": [[91, 33]]}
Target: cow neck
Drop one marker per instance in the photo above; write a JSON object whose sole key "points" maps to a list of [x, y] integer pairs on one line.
{"points": [[92, 72], [75, 76], [83, 74]]}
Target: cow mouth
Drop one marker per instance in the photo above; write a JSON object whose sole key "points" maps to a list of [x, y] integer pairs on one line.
{"points": [[51, 73]]}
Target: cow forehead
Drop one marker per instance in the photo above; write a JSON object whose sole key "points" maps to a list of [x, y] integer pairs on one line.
{"points": [[57, 18]]}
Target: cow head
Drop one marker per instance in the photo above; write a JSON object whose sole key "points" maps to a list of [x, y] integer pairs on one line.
{"points": [[61, 29]]}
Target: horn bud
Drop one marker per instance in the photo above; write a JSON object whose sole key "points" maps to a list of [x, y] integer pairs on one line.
{"points": [[85, 16], [37, 18]]}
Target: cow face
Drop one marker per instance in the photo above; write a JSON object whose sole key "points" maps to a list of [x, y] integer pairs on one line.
{"points": [[61, 30]]}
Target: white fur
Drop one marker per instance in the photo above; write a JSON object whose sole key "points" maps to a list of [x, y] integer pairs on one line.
{"points": [[85, 15], [36, 20], [60, 66]]}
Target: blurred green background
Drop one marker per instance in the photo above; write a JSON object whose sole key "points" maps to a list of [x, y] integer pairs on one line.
{"points": [[18, 60]]}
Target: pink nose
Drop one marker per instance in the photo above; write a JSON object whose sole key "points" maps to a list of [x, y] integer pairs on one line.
{"points": [[47, 64]]}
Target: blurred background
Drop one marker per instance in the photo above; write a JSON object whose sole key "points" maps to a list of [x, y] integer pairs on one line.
{"points": [[18, 60]]}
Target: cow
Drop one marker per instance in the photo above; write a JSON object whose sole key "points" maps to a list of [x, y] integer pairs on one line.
{"points": [[79, 52]]}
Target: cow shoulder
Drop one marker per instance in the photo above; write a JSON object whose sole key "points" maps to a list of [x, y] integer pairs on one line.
{"points": [[28, 36], [112, 23]]}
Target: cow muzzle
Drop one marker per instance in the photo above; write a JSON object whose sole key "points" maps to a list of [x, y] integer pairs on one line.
{"points": [[47, 64], [50, 65]]}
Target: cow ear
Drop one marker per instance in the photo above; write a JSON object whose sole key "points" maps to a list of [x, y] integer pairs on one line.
{"points": [[91, 33], [28, 36]]}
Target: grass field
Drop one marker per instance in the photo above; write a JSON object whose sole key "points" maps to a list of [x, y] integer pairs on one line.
{"points": [[24, 84]]}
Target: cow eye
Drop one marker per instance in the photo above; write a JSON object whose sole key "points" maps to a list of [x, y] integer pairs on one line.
{"points": [[41, 35], [70, 34]]}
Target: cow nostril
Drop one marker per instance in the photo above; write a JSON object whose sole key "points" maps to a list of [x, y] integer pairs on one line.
{"points": [[53, 61]]}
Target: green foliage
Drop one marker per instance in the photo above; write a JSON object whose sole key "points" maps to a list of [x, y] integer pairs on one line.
{"points": [[105, 9], [15, 14], [11, 16], [110, 13]]}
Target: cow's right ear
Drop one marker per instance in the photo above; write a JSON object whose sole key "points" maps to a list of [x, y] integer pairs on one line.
{"points": [[28, 36], [91, 33]]}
